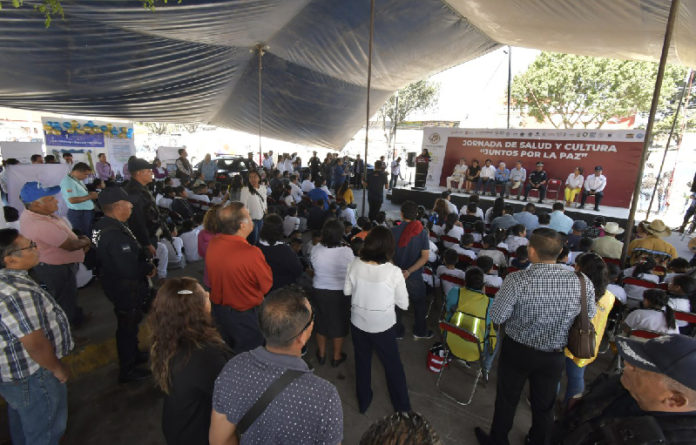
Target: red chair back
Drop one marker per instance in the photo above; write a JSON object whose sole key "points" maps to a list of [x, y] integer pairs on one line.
{"points": [[452, 279], [638, 282], [612, 261], [427, 271], [491, 291], [685, 316], [554, 183], [477, 246], [463, 333], [449, 239], [642, 333], [504, 251], [465, 259]]}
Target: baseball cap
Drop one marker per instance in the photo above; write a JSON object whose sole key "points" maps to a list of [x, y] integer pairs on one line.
{"points": [[111, 195], [671, 355], [598, 168], [579, 225], [31, 191], [136, 164]]}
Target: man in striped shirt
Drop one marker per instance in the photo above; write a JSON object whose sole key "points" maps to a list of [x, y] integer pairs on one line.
{"points": [[34, 336]]}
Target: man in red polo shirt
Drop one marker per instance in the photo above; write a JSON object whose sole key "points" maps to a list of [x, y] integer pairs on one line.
{"points": [[239, 279]]}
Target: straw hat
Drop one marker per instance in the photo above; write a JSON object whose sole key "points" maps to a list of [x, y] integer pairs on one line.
{"points": [[612, 228], [658, 228]]}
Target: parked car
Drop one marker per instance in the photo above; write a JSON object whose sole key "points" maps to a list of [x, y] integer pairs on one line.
{"points": [[229, 166]]}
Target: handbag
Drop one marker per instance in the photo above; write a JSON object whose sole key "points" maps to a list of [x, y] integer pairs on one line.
{"points": [[582, 335]]}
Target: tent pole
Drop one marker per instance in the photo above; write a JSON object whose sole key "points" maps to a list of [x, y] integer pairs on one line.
{"points": [[260, 48], [674, 7], [396, 119], [509, 84], [687, 85], [367, 107]]}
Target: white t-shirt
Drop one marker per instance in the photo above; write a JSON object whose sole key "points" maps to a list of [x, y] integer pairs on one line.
{"points": [[618, 292], [649, 319], [290, 224], [681, 305], [455, 232], [492, 280], [330, 265], [348, 214], [296, 192], [513, 242], [464, 251], [438, 230], [190, 240], [447, 285], [307, 186], [163, 201], [255, 203], [634, 293], [174, 252], [487, 172], [496, 255], [432, 255], [452, 207], [375, 290]]}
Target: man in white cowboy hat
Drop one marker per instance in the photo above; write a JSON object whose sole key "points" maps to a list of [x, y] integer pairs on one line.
{"points": [[608, 246], [653, 242]]}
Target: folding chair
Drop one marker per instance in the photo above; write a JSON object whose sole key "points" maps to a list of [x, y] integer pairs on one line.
{"points": [[449, 239], [688, 317], [464, 260], [452, 279], [491, 291], [554, 186], [434, 238], [459, 340]]}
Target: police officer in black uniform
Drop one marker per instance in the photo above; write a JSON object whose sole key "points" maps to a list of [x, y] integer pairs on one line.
{"points": [[145, 222], [124, 273]]}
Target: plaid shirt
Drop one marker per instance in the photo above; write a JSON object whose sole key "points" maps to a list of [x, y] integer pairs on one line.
{"points": [[24, 308], [538, 305]]}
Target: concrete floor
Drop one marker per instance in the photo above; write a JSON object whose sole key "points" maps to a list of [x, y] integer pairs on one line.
{"points": [[104, 412]]}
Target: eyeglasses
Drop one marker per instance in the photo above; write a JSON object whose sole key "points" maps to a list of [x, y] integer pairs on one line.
{"points": [[309, 323], [32, 245]]}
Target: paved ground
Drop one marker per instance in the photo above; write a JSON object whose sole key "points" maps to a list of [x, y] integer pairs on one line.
{"points": [[104, 412]]}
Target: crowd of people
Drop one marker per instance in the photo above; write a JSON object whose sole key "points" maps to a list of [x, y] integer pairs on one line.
{"points": [[287, 262]]}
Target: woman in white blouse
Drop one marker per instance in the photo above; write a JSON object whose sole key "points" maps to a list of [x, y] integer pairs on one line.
{"points": [[253, 196], [573, 185], [330, 259], [377, 287]]}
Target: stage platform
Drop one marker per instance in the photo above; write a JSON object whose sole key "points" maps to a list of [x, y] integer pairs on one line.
{"points": [[427, 198]]}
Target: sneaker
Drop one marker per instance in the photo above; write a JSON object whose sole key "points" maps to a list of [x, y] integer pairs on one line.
{"points": [[428, 334]]}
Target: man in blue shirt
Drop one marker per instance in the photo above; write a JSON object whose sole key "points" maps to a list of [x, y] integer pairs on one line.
{"points": [[559, 221], [502, 176], [411, 254], [528, 218], [339, 175]]}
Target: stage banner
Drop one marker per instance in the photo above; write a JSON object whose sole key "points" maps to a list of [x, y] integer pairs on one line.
{"points": [[561, 151], [21, 151], [85, 139]]}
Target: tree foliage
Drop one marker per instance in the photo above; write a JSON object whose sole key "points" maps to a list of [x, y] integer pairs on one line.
{"points": [[421, 95], [53, 8], [570, 91]]}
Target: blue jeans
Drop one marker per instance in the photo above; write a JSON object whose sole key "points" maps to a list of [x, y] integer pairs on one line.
{"points": [[37, 409], [253, 237], [81, 220], [576, 379]]}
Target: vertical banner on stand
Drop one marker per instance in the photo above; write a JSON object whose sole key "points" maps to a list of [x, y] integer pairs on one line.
{"points": [[561, 151], [435, 141]]}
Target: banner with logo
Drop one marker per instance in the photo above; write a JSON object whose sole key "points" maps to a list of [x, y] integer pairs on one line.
{"points": [[561, 151], [85, 139]]}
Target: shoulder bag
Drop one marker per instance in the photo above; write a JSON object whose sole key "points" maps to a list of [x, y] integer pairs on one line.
{"points": [[582, 336], [266, 398]]}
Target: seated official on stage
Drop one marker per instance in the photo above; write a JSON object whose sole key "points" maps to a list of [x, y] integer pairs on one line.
{"points": [[458, 175], [472, 174], [516, 180], [594, 186], [502, 176], [486, 179], [537, 181], [573, 185]]}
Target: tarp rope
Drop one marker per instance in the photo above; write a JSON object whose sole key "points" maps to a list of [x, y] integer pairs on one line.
{"points": [[367, 106]]}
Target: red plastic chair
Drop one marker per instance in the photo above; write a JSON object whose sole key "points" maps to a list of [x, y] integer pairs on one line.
{"points": [[644, 333], [464, 259], [688, 317], [452, 279], [641, 283], [554, 186], [491, 291], [463, 334], [449, 239], [612, 261]]}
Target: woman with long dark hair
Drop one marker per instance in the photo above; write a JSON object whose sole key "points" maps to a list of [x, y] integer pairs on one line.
{"points": [[253, 196], [594, 268], [377, 287], [186, 356], [495, 211]]}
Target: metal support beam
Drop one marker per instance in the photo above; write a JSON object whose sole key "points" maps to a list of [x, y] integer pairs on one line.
{"points": [[671, 20], [367, 105]]}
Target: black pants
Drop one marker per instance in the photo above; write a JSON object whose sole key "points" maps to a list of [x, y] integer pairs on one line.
{"points": [[541, 188], [416, 298], [384, 345], [375, 207], [60, 282], [239, 329], [597, 198], [127, 322], [519, 363]]}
